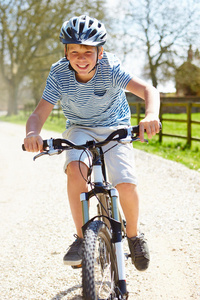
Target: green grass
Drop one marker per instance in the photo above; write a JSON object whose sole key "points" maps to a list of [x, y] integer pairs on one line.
{"points": [[174, 149], [52, 123]]}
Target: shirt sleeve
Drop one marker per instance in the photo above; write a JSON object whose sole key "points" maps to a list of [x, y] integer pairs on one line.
{"points": [[52, 91], [120, 77]]}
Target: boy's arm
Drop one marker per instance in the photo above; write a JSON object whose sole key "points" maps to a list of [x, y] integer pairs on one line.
{"points": [[33, 141], [151, 97]]}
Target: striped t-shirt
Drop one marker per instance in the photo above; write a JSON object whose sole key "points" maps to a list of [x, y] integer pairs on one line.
{"points": [[99, 102]]}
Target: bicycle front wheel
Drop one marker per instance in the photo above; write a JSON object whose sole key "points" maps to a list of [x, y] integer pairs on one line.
{"points": [[99, 269]]}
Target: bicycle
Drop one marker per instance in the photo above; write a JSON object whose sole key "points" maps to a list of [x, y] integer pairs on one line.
{"points": [[103, 263]]}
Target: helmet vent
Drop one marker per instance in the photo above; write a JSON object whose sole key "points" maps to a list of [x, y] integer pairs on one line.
{"points": [[93, 33], [81, 27], [69, 31], [90, 23]]}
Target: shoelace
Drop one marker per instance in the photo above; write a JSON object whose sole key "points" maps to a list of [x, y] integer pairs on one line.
{"points": [[75, 245], [139, 249]]}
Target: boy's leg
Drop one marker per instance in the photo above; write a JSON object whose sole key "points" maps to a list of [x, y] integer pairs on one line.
{"points": [[75, 186], [129, 201], [138, 246]]}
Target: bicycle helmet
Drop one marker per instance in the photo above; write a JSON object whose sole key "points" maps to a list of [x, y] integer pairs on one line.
{"points": [[83, 30]]}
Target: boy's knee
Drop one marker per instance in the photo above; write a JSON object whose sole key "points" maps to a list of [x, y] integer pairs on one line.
{"points": [[73, 169], [126, 186]]}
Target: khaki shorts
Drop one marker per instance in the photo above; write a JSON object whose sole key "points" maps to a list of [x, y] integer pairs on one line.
{"points": [[119, 161]]}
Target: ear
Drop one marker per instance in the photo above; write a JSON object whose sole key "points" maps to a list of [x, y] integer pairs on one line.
{"points": [[100, 54]]}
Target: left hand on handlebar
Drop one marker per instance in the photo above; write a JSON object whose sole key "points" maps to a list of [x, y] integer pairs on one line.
{"points": [[150, 124]]}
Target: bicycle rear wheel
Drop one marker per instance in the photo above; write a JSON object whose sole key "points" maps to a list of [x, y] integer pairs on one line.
{"points": [[99, 269]]}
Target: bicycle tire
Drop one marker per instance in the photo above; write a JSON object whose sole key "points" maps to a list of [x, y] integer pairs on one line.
{"points": [[98, 261]]}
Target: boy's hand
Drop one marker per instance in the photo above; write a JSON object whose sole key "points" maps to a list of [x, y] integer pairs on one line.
{"points": [[33, 143], [150, 124]]}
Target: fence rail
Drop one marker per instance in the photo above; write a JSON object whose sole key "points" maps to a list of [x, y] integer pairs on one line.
{"points": [[185, 106], [188, 110]]}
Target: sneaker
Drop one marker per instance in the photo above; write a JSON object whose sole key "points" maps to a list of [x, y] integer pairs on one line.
{"points": [[73, 256], [139, 252]]}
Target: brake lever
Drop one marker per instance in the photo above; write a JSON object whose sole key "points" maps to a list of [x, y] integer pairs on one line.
{"points": [[39, 155], [136, 139], [51, 151]]}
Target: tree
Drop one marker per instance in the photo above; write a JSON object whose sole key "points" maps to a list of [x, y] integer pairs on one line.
{"points": [[161, 29], [188, 75], [29, 42]]}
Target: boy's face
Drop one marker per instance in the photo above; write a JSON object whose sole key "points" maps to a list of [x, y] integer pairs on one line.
{"points": [[83, 59]]}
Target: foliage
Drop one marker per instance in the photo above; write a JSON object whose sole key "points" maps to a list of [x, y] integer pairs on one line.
{"points": [[29, 42], [188, 79]]}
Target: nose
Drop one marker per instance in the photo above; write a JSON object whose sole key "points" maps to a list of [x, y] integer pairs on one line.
{"points": [[81, 56]]}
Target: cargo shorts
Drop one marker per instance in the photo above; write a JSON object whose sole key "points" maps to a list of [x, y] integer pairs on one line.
{"points": [[119, 160]]}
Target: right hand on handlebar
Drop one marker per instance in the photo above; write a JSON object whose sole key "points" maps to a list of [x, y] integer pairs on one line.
{"points": [[33, 143]]}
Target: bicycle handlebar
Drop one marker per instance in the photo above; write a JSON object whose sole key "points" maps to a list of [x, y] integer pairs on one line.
{"points": [[122, 135]]}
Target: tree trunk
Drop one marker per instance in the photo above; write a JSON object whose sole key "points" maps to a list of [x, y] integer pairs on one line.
{"points": [[153, 75], [154, 80], [12, 100]]}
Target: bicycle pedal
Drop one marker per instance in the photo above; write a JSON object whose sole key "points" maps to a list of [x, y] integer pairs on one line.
{"points": [[77, 267]]}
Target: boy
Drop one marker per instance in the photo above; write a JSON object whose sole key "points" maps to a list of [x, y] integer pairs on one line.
{"points": [[90, 84]]}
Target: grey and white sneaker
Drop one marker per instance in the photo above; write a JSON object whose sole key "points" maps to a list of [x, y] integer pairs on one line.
{"points": [[73, 257], [139, 252]]}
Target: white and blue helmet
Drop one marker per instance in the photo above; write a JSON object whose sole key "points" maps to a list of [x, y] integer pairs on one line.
{"points": [[83, 30]]}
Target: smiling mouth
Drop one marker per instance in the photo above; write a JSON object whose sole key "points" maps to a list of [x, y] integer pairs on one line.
{"points": [[83, 67]]}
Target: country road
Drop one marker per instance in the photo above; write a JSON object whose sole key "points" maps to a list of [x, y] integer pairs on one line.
{"points": [[36, 227]]}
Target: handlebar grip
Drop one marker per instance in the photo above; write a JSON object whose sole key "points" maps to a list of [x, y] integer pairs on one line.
{"points": [[45, 145], [135, 129]]}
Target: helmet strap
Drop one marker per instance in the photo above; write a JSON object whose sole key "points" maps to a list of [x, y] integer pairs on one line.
{"points": [[97, 62]]}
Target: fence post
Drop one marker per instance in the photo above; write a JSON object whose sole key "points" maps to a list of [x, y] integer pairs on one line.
{"points": [[138, 112], [189, 129]]}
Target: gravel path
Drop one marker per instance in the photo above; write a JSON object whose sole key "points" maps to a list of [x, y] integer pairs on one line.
{"points": [[36, 227]]}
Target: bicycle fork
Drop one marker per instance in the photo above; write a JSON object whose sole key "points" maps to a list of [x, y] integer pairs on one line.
{"points": [[117, 240], [116, 234]]}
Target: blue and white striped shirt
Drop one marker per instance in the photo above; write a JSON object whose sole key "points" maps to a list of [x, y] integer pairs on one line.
{"points": [[99, 102]]}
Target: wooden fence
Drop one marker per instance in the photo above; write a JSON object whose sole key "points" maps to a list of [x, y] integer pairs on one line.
{"points": [[188, 110], [170, 105]]}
